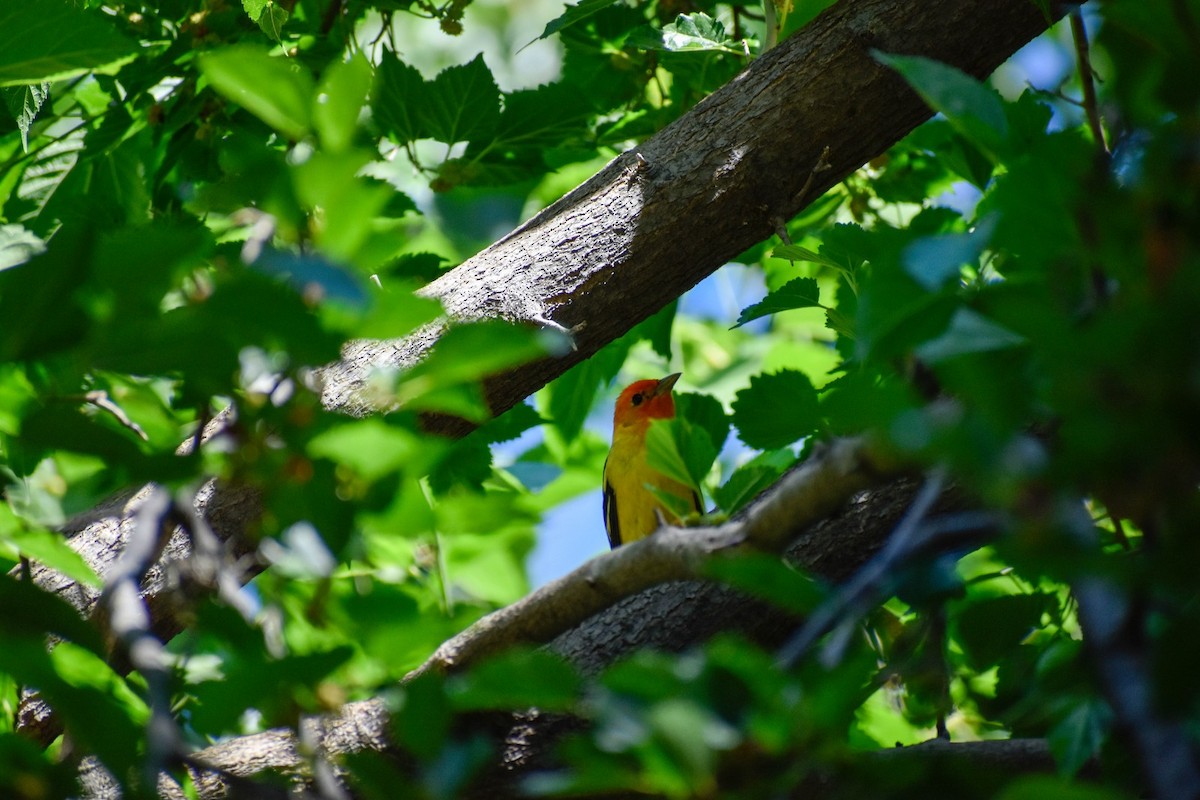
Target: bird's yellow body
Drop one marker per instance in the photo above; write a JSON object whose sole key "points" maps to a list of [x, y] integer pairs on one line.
{"points": [[630, 508]]}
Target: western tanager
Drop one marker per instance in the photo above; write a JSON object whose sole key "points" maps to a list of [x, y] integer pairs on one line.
{"points": [[630, 508]]}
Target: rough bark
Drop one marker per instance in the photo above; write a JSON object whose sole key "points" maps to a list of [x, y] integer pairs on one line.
{"points": [[717, 181], [669, 616]]}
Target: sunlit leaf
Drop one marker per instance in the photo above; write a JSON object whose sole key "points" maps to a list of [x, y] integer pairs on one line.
{"points": [[689, 32], [275, 89], [680, 450], [23, 103], [49, 40], [339, 100]]}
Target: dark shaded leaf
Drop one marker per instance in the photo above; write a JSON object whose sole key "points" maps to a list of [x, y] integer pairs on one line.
{"points": [[797, 293], [769, 578], [776, 410], [502, 683]]}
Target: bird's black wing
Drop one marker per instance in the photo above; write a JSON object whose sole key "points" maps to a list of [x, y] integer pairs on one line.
{"points": [[612, 522]]}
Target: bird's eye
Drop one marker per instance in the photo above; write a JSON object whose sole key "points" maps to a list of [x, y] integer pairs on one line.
{"points": [[637, 399]]}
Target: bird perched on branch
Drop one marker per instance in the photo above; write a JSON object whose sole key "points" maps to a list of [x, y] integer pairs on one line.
{"points": [[631, 508]]}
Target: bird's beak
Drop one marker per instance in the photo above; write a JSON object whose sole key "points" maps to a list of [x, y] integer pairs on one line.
{"points": [[664, 385]]}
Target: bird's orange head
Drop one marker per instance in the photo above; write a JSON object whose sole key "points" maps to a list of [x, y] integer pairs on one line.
{"points": [[645, 400]]}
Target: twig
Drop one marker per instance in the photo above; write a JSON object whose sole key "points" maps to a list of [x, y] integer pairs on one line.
{"points": [[822, 165], [100, 399], [1087, 78], [129, 624], [857, 593], [844, 609], [209, 564], [332, 12], [1114, 633]]}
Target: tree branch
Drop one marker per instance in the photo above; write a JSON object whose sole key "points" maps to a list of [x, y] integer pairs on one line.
{"points": [[798, 507], [801, 498]]}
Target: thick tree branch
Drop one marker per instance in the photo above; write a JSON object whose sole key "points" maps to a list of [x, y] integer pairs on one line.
{"points": [[801, 498], [798, 507], [658, 219]]}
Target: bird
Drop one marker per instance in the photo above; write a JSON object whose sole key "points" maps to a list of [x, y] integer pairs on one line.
{"points": [[631, 510]]}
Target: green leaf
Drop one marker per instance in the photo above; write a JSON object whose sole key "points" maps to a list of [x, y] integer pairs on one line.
{"points": [[972, 108], [100, 707], [42, 613], [470, 352], [330, 181], [62, 427], [136, 267], [488, 565], [37, 298], [705, 412], [573, 14], [656, 329], [276, 90], [794, 252], [502, 683], [680, 451], [396, 311], [935, 260], [463, 103], [769, 578], [18, 245], [49, 548], [50, 40], [511, 424], [776, 410], [1079, 736], [400, 95], [863, 399], [339, 100], [989, 628], [533, 119], [268, 15], [748, 480], [797, 293], [688, 33], [24, 102], [421, 723], [1039, 787], [371, 447], [570, 397], [969, 332]]}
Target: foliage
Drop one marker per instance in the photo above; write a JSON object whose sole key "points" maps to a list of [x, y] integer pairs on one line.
{"points": [[201, 201]]}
